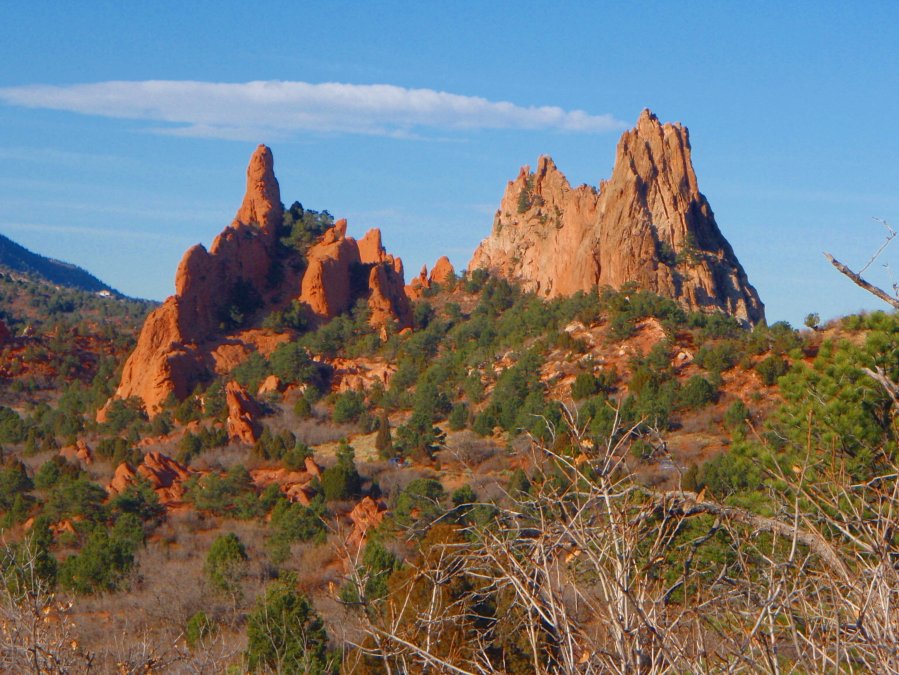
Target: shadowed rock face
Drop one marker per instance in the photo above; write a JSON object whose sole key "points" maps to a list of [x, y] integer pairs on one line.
{"points": [[246, 267], [647, 224]]}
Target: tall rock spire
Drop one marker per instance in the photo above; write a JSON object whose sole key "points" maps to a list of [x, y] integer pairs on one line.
{"points": [[647, 224], [246, 273], [262, 202]]}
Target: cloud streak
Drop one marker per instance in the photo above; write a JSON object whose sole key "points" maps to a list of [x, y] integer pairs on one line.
{"points": [[243, 110]]}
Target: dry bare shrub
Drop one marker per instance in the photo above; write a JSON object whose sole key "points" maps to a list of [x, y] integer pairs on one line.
{"points": [[222, 459], [394, 480], [469, 450], [593, 572], [315, 432], [317, 566], [37, 632]]}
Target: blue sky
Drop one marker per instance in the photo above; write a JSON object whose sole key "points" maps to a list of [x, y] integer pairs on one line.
{"points": [[117, 151]]}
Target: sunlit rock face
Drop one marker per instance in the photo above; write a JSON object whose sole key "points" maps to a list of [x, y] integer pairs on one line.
{"points": [[648, 224]]}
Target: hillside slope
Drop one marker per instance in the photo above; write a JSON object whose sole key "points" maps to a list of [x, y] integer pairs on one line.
{"points": [[15, 258]]}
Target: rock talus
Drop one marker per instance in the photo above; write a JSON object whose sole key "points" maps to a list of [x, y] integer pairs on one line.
{"points": [[648, 224]]}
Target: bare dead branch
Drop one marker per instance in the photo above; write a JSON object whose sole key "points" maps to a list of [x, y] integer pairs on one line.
{"points": [[858, 281]]}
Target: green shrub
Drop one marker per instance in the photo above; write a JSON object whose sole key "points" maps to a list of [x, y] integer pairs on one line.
{"points": [[118, 450], [419, 501], [294, 522], [348, 407], [199, 627], [139, 499], [718, 358], [458, 417], [105, 559], [12, 427], [519, 486], [378, 564], [771, 368], [342, 481], [733, 472], [697, 392], [226, 564], [302, 408], [585, 385], [736, 416], [71, 497], [286, 635], [14, 482], [384, 440], [230, 495]]}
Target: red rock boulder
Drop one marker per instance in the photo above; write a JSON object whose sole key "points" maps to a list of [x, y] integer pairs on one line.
{"points": [[367, 514], [442, 271], [243, 414], [79, 453]]}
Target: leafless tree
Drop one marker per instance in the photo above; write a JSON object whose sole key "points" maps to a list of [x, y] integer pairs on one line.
{"points": [[858, 280], [593, 573], [36, 632]]}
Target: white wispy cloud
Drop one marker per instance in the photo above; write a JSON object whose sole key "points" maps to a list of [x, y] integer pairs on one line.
{"points": [[243, 110]]}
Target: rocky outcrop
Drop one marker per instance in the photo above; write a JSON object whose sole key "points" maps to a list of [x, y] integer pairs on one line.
{"points": [[243, 414], [648, 224], [5, 335], [366, 515], [442, 272], [294, 485], [165, 475], [245, 275], [122, 477], [387, 298], [79, 453], [360, 374], [341, 271], [271, 385]]}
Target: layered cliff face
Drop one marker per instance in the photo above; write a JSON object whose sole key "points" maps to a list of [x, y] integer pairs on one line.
{"points": [[647, 224], [244, 275]]}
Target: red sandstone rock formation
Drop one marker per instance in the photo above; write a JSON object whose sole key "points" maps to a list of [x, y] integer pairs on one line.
{"points": [[333, 262], [312, 468], [387, 295], [245, 270], [271, 385], [79, 453], [647, 224], [367, 514], [360, 374], [164, 474], [5, 335], [295, 485], [121, 479], [243, 414], [442, 271]]}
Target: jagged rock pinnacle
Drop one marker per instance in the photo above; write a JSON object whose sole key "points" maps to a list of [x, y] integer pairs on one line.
{"points": [[647, 224]]}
